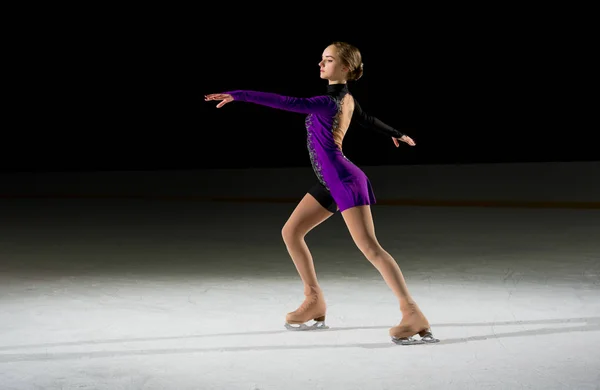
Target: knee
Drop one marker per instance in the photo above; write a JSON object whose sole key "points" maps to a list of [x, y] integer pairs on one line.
{"points": [[291, 234], [372, 250]]}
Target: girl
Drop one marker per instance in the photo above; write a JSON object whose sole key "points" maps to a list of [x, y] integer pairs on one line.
{"points": [[341, 186]]}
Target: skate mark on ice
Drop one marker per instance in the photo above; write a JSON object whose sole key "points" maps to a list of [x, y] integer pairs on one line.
{"points": [[591, 324], [49, 356]]}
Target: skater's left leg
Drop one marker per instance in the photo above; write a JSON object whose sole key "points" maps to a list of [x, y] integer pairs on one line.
{"points": [[359, 221]]}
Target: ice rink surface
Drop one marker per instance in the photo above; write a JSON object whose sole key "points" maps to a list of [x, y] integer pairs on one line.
{"points": [[150, 294]]}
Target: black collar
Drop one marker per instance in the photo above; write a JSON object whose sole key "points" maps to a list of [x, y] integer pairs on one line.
{"points": [[337, 88]]}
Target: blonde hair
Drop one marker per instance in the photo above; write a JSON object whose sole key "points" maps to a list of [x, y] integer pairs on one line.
{"points": [[351, 57]]}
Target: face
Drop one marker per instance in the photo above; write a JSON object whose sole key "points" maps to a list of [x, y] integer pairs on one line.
{"points": [[331, 66]]}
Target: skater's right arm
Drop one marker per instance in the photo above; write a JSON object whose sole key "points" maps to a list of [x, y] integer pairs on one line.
{"points": [[314, 105]]}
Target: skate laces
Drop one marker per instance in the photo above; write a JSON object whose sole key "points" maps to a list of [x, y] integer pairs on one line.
{"points": [[308, 302]]}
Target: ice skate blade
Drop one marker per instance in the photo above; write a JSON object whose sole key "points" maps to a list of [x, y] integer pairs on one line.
{"points": [[407, 341], [426, 338], [318, 325]]}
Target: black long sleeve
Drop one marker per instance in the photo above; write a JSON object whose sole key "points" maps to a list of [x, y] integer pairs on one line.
{"points": [[372, 123]]}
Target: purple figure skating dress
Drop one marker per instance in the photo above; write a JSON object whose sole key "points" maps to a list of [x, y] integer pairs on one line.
{"points": [[339, 179]]}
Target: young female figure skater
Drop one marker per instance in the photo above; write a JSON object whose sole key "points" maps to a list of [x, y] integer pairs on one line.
{"points": [[341, 186]]}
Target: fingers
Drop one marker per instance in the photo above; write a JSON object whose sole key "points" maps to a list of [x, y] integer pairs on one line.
{"points": [[218, 96], [405, 139], [214, 96], [408, 140]]}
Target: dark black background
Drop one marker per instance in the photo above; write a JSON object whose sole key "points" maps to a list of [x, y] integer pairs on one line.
{"points": [[128, 95]]}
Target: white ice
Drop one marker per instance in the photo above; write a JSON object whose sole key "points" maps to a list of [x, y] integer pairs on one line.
{"points": [[126, 294]]}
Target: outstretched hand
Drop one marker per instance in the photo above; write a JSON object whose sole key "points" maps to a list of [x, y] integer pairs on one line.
{"points": [[223, 97], [404, 138]]}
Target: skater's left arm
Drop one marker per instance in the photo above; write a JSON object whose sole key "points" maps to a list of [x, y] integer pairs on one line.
{"points": [[371, 122]]}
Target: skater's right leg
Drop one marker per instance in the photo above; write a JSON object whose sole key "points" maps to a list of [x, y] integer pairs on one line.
{"points": [[306, 216]]}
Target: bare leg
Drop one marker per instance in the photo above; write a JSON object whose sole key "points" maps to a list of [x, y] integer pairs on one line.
{"points": [[307, 215], [360, 224]]}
